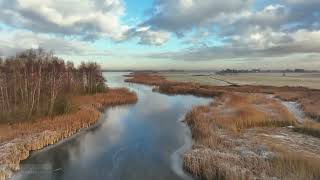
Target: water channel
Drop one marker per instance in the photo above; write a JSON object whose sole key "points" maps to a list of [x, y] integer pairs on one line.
{"points": [[135, 142]]}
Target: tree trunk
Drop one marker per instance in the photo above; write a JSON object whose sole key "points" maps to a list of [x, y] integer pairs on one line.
{"points": [[39, 88], [32, 102]]}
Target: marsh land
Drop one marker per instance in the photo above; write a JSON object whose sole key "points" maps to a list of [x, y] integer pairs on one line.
{"points": [[310, 80], [235, 129], [247, 131]]}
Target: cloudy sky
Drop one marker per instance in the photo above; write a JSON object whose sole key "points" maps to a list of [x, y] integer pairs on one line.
{"points": [[167, 34]]}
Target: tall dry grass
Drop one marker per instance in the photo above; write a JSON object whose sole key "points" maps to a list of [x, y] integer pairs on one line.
{"points": [[293, 164], [86, 111], [216, 165], [310, 128], [146, 78], [111, 98], [236, 111], [215, 129], [309, 99]]}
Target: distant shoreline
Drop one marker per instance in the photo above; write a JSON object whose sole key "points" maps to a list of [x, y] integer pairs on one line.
{"points": [[211, 71]]}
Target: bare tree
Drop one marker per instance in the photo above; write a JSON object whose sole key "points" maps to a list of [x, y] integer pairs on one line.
{"points": [[32, 81]]}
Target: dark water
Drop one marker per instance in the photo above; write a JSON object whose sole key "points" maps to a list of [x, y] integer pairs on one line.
{"points": [[142, 141]]}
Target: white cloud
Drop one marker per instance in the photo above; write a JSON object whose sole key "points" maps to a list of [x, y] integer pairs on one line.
{"points": [[12, 42], [256, 44], [147, 36], [182, 15], [157, 38], [285, 28], [84, 18]]}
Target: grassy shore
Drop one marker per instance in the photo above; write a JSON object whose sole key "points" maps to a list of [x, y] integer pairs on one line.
{"points": [[246, 132], [17, 140]]}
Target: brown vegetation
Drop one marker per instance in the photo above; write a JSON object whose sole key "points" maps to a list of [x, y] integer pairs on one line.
{"points": [[243, 134], [152, 79], [311, 128], [236, 111], [224, 149], [309, 99], [16, 140]]}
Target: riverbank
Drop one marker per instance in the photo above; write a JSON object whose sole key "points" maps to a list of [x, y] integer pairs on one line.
{"points": [[18, 140], [247, 132]]}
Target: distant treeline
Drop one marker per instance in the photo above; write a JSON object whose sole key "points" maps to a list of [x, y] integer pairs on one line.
{"points": [[36, 83], [234, 71]]}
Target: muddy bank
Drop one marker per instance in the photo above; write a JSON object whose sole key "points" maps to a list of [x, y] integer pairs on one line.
{"points": [[18, 140], [246, 134]]}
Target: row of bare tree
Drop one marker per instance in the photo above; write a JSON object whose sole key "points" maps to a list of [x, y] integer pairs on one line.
{"points": [[37, 83]]}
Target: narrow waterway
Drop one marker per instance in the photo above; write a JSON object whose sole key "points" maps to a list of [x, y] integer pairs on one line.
{"points": [[141, 141]]}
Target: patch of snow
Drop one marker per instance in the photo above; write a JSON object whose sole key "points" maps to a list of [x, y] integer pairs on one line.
{"points": [[277, 136], [264, 153], [295, 109]]}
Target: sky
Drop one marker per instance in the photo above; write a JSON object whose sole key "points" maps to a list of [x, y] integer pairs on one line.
{"points": [[167, 34]]}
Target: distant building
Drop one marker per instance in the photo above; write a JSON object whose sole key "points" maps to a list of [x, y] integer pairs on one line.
{"points": [[299, 70]]}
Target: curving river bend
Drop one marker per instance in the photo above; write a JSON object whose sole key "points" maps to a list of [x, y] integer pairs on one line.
{"points": [[136, 142]]}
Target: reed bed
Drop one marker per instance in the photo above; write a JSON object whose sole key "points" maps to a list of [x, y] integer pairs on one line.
{"points": [[86, 111], [310, 128], [309, 99], [295, 166], [113, 97], [212, 165], [236, 111], [152, 79], [221, 152], [216, 165]]}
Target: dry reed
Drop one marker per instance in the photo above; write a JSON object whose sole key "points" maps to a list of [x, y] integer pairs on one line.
{"points": [[309, 99], [215, 130], [310, 128]]}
